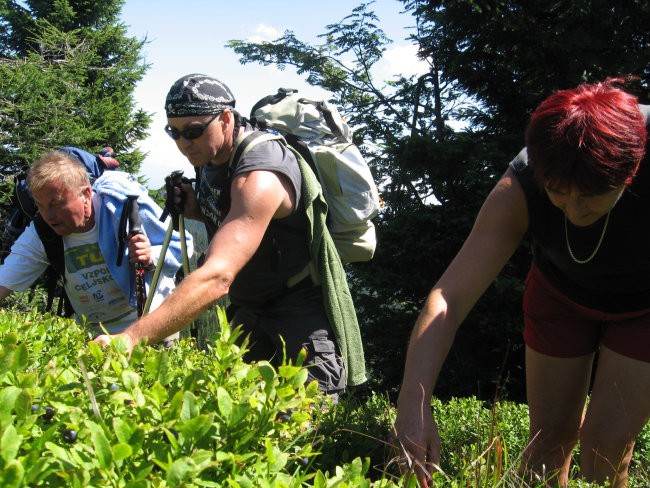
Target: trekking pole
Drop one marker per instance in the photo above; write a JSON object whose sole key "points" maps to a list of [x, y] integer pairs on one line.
{"points": [[156, 273], [174, 180], [185, 257], [176, 222], [135, 227]]}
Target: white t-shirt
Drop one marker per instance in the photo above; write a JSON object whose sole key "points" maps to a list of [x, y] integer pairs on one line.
{"points": [[92, 290]]}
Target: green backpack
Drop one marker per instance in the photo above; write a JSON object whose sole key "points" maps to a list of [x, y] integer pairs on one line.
{"points": [[318, 133]]}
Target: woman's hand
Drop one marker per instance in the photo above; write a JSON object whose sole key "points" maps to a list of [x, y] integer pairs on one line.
{"points": [[418, 441]]}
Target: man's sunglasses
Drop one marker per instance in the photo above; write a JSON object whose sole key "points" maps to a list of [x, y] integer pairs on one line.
{"points": [[191, 132]]}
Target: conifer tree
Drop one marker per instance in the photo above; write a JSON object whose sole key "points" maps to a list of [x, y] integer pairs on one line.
{"points": [[67, 75]]}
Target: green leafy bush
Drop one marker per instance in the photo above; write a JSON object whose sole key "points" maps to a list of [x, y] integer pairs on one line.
{"points": [[73, 414], [357, 428]]}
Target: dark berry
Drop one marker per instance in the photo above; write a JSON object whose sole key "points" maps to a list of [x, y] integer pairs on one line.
{"points": [[168, 434], [283, 417], [48, 415], [70, 436]]}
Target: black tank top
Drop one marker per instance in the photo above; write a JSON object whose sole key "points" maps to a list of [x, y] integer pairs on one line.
{"points": [[617, 279]]}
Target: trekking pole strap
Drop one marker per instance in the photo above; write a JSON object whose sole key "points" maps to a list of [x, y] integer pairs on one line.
{"points": [[184, 256], [135, 227]]}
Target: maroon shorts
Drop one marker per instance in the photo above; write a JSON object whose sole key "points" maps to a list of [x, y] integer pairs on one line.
{"points": [[556, 326]]}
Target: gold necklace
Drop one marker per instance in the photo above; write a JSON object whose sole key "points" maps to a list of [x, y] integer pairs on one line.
{"points": [[593, 254]]}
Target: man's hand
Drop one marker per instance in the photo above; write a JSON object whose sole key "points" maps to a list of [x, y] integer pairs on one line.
{"points": [[191, 208], [140, 250], [105, 340]]}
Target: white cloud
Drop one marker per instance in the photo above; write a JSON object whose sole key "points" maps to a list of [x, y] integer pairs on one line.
{"points": [[401, 59], [264, 33]]}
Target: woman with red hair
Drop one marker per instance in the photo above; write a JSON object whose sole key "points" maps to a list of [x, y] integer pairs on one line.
{"points": [[581, 191]]}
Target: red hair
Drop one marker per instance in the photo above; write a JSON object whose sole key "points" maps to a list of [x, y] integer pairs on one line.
{"points": [[592, 136]]}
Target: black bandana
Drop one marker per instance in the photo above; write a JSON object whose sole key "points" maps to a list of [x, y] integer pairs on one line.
{"points": [[198, 94]]}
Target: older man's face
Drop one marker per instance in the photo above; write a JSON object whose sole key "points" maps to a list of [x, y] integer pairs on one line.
{"points": [[64, 209]]}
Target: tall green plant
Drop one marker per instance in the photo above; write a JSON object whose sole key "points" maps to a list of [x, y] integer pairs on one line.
{"points": [[68, 71], [73, 414]]}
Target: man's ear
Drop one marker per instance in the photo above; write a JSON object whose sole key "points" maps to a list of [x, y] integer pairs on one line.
{"points": [[87, 192], [226, 116]]}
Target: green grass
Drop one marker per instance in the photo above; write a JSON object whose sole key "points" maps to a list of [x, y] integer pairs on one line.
{"points": [[481, 442]]}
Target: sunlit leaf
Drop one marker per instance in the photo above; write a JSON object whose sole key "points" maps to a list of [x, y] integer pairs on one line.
{"points": [[102, 446], [9, 443], [123, 429], [180, 471], [190, 408], [130, 380], [12, 475], [23, 405], [121, 451], [21, 358]]}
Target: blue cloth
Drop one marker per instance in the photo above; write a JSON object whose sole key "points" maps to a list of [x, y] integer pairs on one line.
{"points": [[110, 193]]}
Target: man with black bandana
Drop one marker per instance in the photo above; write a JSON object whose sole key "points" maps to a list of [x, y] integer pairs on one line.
{"points": [[259, 244]]}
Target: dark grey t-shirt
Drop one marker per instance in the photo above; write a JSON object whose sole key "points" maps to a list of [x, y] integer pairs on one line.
{"points": [[284, 250]]}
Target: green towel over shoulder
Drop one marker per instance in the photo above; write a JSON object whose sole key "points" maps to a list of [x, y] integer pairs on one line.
{"points": [[331, 276]]}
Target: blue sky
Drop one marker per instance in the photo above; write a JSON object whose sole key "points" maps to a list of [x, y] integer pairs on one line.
{"points": [[190, 37]]}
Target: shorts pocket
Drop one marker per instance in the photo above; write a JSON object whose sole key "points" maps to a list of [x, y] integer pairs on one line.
{"points": [[325, 365]]}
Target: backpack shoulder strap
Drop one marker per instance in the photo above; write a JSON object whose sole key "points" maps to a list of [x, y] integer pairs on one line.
{"points": [[52, 242], [53, 245], [247, 141]]}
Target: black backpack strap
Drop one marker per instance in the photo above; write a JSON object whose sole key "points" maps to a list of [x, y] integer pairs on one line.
{"points": [[271, 100], [122, 231], [65, 306], [53, 245], [248, 140], [52, 242]]}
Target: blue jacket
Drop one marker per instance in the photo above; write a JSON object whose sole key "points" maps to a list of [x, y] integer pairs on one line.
{"points": [[110, 192]]}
